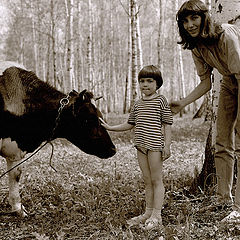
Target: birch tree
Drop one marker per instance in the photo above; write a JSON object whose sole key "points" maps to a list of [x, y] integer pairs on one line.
{"points": [[160, 34], [52, 51], [134, 50], [139, 40], [89, 47], [127, 90], [70, 45], [35, 41], [180, 66]]}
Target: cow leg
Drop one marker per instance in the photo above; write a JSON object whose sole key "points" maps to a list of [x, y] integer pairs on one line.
{"points": [[14, 195], [13, 156]]}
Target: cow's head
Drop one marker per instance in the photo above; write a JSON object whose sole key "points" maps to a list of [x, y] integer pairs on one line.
{"points": [[82, 126]]}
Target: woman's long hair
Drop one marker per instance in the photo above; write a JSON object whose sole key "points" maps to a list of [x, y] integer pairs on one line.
{"points": [[209, 32]]}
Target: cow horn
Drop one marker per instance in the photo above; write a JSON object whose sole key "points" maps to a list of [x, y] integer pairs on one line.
{"points": [[81, 94]]}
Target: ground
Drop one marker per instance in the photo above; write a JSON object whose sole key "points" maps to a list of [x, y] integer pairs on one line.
{"points": [[91, 198]]}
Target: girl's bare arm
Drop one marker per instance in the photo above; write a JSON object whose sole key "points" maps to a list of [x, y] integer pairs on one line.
{"points": [[117, 128], [167, 132]]}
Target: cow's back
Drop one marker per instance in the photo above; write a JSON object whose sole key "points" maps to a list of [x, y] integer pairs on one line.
{"points": [[3, 66], [6, 64], [12, 91]]}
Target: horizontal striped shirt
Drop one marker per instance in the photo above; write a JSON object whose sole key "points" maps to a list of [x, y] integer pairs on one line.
{"points": [[148, 115]]}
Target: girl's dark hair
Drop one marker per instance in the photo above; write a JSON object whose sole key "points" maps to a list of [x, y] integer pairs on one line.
{"points": [[151, 71], [210, 32]]}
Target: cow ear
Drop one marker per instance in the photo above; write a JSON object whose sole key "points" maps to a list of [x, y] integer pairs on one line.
{"points": [[88, 96], [73, 93]]}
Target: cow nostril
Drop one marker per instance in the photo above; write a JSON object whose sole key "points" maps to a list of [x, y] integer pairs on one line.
{"points": [[113, 149]]}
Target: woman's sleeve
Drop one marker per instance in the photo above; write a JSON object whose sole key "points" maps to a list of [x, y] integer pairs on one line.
{"points": [[204, 70]]}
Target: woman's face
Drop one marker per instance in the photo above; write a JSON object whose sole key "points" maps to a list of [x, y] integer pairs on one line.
{"points": [[192, 25]]}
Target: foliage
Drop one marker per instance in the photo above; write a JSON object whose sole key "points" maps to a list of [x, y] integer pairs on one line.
{"points": [[36, 36], [90, 198]]}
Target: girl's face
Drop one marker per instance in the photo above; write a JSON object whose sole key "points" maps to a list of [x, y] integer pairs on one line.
{"points": [[148, 86], [192, 24]]}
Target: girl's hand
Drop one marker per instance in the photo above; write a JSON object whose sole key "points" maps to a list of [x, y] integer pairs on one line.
{"points": [[166, 153], [104, 124], [176, 106]]}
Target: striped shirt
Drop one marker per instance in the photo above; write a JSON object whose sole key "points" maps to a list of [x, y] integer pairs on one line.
{"points": [[148, 115]]}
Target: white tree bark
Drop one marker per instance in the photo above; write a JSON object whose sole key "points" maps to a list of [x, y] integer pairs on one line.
{"points": [[225, 10], [139, 39], [53, 41], [134, 52], [89, 47], [70, 46]]}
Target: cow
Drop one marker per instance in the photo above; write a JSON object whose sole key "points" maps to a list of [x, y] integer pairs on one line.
{"points": [[32, 112]]}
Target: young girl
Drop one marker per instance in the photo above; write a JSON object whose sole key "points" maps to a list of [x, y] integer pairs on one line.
{"points": [[152, 118], [215, 46]]}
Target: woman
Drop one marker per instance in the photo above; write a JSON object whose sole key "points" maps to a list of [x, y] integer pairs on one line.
{"points": [[215, 46]]}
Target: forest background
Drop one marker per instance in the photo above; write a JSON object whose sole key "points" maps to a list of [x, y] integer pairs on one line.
{"points": [[101, 45], [98, 45]]}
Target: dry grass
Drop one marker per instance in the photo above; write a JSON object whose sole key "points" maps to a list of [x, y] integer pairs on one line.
{"points": [[90, 198]]}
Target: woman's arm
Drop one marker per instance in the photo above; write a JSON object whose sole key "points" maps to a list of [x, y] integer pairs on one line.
{"points": [[202, 88], [117, 128]]}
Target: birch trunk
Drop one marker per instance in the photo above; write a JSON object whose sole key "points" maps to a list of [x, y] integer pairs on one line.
{"points": [[21, 57], [160, 33], [35, 47], [181, 73], [54, 54], [112, 77], [89, 48], [139, 40], [78, 71], [179, 65], [70, 57], [127, 97], [134, 51]]}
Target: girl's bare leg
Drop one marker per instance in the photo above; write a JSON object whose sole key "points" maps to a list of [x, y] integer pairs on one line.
{"points": [[156, 169], [144, 166]]}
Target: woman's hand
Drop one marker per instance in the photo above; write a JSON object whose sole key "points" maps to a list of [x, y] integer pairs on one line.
{"points": [[176, 106]]}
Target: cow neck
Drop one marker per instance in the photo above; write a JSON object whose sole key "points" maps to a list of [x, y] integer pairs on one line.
{"points": [[63, 103]]}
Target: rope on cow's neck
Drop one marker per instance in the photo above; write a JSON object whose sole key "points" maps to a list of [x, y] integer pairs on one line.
{"points": [[63, 103]]}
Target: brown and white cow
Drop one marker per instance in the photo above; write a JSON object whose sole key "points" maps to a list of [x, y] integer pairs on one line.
{"points": [[29, 108]]}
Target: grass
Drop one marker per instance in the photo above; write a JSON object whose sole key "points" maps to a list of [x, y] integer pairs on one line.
{"points": [[90, 198]]}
